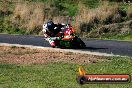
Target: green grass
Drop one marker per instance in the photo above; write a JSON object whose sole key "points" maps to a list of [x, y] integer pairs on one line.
{"points": [[125, 6], [61, 75], [124, 37]]}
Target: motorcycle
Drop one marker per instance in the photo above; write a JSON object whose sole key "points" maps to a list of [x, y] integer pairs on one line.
{"points": [[68, 39]]}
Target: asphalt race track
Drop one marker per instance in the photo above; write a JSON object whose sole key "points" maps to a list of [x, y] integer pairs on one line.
{"points": [[103, 46]]}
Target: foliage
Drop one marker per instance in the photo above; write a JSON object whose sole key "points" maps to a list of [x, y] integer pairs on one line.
{"points": [[28, 16]]}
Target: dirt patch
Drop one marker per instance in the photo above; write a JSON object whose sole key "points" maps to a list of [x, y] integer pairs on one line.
{"points": [[21, 55]]}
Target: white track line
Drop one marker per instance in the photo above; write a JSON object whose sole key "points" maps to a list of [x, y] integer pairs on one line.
{"points": [[57, 49]]}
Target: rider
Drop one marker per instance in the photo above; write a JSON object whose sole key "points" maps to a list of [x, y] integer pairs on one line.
{"points": [[51, 31]]}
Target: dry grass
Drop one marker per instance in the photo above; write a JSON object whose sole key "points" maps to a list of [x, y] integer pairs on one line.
{"points": [[91, 16], [129, 12], [4, 9], [30, 16], [60, 19]]}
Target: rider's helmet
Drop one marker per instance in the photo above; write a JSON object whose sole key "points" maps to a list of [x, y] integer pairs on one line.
{"points": [[50, 26]]}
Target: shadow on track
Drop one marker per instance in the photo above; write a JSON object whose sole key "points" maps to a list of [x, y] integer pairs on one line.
{"points": [[90, 48], [94, 48]]}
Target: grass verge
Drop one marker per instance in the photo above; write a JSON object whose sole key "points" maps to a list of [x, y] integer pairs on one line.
{"points": [[125, 37], [61, 75]]}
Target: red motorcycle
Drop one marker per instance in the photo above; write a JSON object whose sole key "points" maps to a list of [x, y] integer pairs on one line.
{"points": [[69, 39]]}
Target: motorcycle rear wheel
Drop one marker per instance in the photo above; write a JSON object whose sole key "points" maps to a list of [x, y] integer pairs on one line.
{"points": [[78, 43]]}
